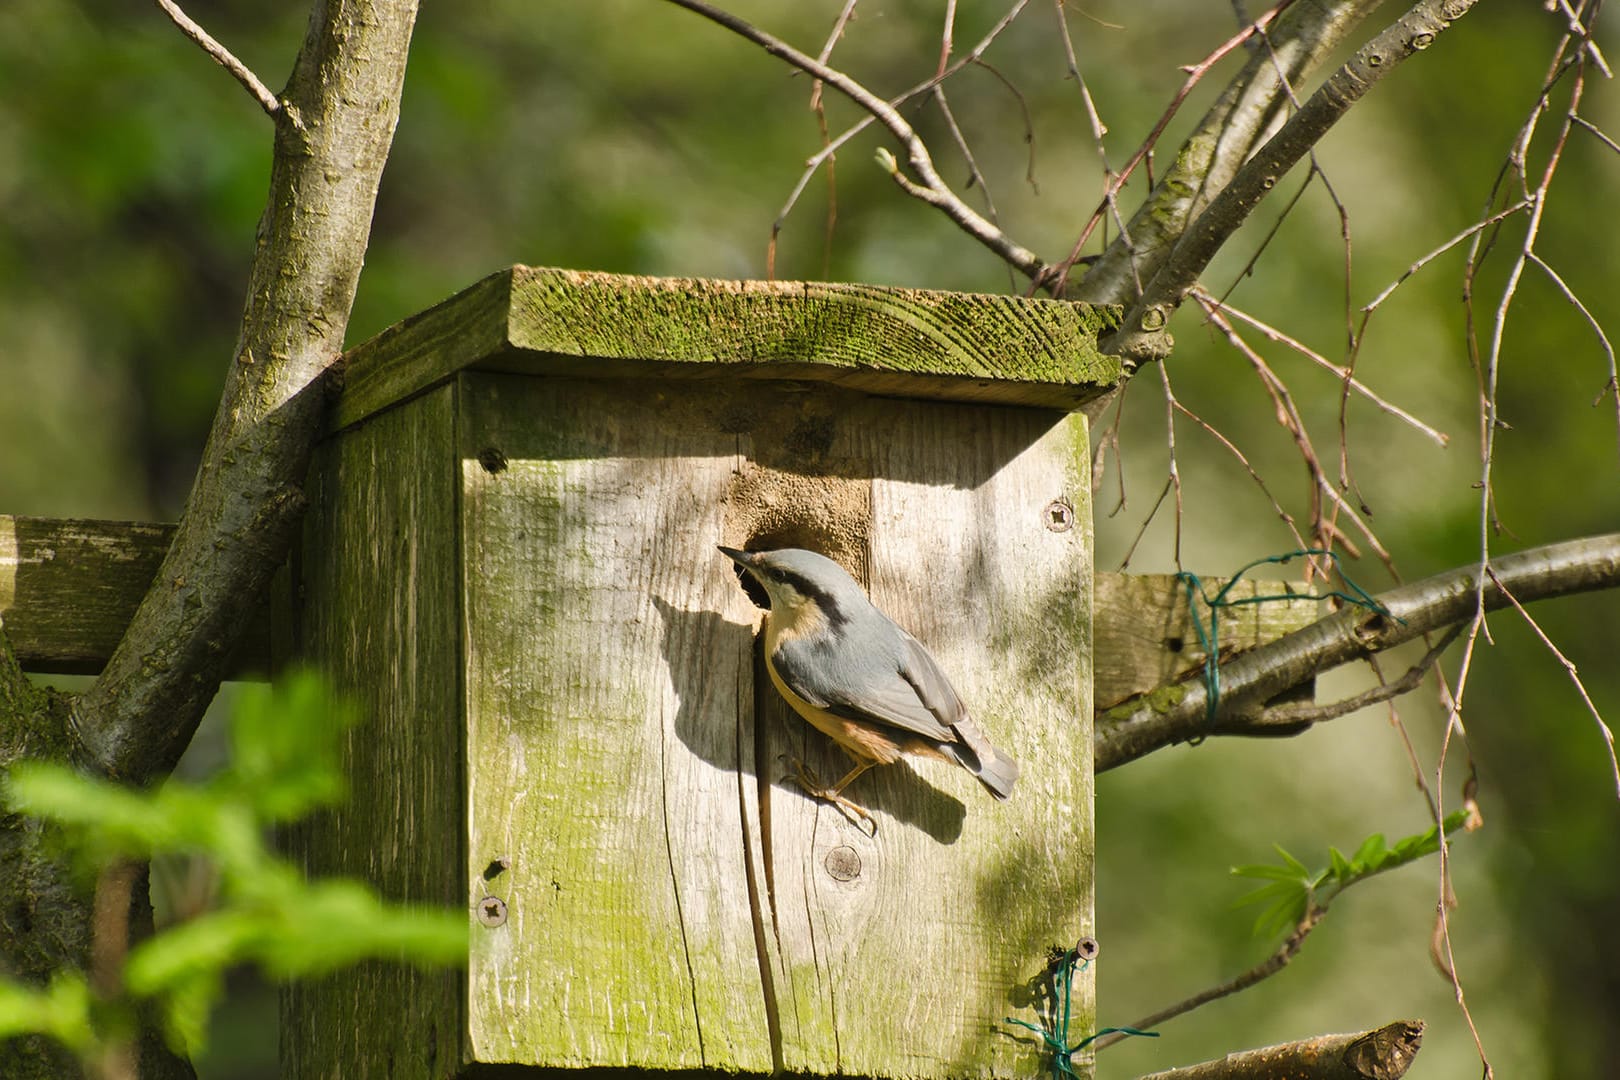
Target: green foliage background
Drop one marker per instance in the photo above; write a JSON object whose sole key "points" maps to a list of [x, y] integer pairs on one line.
{"points": [[627, 135], [285, 763]]}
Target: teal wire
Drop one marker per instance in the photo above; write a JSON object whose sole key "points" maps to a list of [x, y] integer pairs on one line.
{"points": [[1209, 640], [1056, 1038]]}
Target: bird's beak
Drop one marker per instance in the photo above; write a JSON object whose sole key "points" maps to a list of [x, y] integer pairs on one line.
{"points": [[745, 559], [748, 575]]}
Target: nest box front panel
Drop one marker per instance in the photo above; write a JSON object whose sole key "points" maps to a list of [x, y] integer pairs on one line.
{"points": [[648, 889]]}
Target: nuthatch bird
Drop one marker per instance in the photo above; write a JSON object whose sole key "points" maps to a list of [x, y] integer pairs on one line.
{"points": [[856, 676]]}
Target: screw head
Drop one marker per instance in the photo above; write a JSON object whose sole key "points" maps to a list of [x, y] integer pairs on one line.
{"points": [[1059, 515], [492, 911]]}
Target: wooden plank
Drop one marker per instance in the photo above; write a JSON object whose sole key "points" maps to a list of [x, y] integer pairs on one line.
{"points": [[606, 757], [379, 614], [1146, 638], [898, 342], [69, 587]]}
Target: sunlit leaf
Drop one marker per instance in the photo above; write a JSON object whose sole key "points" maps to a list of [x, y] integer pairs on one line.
{"points": [[1343, 871], [61, 1010], [285, 745]]}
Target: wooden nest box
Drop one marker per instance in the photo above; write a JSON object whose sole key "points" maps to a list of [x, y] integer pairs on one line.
{"points": [[509, 561]]}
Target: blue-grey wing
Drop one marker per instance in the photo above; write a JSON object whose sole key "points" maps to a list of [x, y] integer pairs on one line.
{"points": [[879, 683]]}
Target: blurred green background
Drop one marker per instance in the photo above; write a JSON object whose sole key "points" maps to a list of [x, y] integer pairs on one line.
{"points": [[628, 135]]}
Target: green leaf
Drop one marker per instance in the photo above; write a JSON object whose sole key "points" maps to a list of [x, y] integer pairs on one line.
{"points": [[336, 923], [1370, 851], [207, 944], [286, 743], [286, 761], [106, 820], [1268, 892], [61, 1010], [1343, 872], [1267, 872], [1293, 863], [1293, 885]]}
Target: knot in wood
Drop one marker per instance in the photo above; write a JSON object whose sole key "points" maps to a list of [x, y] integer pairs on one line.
{"points": [[843, 863]]}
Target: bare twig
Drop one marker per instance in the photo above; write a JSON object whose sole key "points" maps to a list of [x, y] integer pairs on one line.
{"points": [[1247, 681], [109, 947], [1175, 472], [1029, 123], [1582, 122], [1439, 438], [1591, 320], [223, 57], [1130, 552], [1318, 901], [1254, 474], [1264, 970], [1574, 676], [1112, 182], [1286, 716], [932, 189], [1487, 368], [1323, 523], [1195, 74], [1493, 219], [818, 107]]}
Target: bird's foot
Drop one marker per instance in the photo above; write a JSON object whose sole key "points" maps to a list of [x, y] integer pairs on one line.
{"points": [[806, 778]]}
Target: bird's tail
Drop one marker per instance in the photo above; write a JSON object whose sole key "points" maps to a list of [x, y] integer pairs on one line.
{"points": [[995, 770]]}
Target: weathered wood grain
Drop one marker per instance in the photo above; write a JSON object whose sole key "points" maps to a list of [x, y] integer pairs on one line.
{"points": [[671, 902], [902, 342], [69, 586], [378, 611], [902, 953], [602, 730]]}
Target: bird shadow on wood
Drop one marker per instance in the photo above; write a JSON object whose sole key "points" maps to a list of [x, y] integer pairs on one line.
{"points": [[730, 716]]}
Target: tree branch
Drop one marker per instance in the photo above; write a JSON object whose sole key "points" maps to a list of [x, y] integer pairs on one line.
{"points": [[1142, 335], [1264, 970], [1242, 117], [1381, 1054], [222, 56], [929, 187], [1277, 719], [1173, 714], [333, 133]]}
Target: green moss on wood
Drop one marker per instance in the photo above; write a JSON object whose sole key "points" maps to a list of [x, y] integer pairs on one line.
{"points": [[1161, 700], [897, 342]]}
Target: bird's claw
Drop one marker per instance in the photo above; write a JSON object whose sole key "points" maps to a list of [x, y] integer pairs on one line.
{"points": [[811, 784]]}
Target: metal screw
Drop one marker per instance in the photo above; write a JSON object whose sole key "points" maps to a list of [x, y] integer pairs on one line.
{"points": [[843, 863], [1059, 515], [492, 911], [1087, 949]]}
